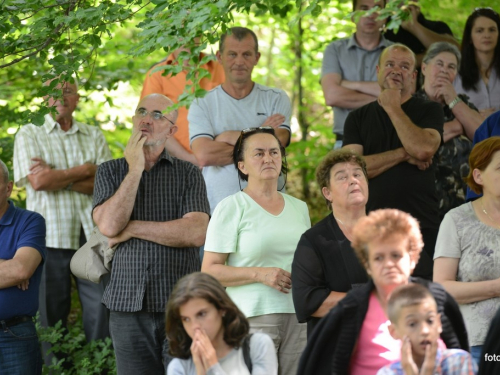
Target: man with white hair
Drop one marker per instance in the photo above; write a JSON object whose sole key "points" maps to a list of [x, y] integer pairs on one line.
{"points": [[21, 259], [57, 163], [155, 208]]}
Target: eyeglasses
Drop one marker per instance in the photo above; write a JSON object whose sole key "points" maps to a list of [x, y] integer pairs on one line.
{"points": [[485, 10], [248, 131], [155, 115]]}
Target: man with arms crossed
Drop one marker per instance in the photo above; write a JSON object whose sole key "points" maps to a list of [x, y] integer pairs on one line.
{"points": [[398, 135], [154, 206], [348, 74], [216, 121], [57, 163], [22, 251]]}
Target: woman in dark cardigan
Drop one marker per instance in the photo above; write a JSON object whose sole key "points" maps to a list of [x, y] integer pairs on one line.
{"points": [[325, 267], [353, 337]]}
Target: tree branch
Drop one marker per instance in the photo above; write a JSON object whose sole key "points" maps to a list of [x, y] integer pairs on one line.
{"points": [[130, 15], [23, 50], [42, 8], [56, 31], [45, 44]]}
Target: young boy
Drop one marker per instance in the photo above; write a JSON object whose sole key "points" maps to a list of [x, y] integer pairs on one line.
{"points": [[415, 321]]}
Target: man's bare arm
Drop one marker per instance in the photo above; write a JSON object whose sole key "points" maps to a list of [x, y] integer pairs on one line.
{"points": [[113, 215], [84, 186], [20, 268], [428, 37], [284, 136], [212, 152], [423, 34], [174, 148], [365, 87], [189, 231], [44, 177], [219, 152], [379, 163], [421, 143], [229, 136], [338, 96]]}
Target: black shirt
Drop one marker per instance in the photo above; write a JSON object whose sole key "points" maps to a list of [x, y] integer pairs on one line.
{"points": [[408, 39], [323, 262], [403, 186]]}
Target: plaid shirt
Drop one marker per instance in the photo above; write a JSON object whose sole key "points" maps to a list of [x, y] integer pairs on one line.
{"points": [[64, 211], [448, 362], [145, 272]]}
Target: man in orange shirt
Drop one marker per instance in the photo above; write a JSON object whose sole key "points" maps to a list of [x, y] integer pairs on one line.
{"points": [[172, 87]]}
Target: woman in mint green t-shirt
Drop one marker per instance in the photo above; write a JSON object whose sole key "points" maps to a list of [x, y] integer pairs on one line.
{"points": [[251, 240]]}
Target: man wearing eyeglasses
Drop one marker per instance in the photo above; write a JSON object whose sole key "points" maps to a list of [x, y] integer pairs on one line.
{"points": [[56, 162], [155, 208], [216, 121]]}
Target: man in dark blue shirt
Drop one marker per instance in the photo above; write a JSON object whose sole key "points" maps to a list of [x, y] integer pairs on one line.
{"points": [[22, 252]]}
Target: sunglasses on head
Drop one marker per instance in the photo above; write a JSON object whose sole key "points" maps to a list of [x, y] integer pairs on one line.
{"points": [[262, 129], [248, 131]]}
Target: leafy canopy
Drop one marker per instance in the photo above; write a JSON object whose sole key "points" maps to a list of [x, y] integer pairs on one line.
{"points": [[72, 40]]}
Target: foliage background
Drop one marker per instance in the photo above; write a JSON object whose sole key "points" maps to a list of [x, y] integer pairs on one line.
{"points": [[112, 44]]}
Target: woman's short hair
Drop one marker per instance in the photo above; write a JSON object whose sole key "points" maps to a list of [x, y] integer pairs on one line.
{"points": [[469, 70], [440, 47], [202, 285], [480, 157], [239, 148], [381, 225], [335, 157]]}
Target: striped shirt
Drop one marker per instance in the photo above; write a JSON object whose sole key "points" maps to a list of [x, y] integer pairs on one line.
{"points": [[65, 211], [145, 272]]}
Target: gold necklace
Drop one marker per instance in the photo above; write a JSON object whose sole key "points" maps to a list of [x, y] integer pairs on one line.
{"points": [[487, 214]]}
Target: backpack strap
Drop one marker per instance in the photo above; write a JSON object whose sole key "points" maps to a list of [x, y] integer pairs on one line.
{"points": [[245, 346]]}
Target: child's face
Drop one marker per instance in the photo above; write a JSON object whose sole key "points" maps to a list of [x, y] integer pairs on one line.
{"points": [[421, 323]]}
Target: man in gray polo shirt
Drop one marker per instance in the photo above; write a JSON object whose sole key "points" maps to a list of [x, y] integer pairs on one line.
{"points": [[216, 121], [348, 74]]}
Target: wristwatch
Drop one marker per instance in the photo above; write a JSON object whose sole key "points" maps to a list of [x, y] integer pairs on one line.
{"points": [[454, 102]]}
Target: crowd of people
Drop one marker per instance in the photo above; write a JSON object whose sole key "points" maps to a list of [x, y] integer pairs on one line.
{"points": [[217, 270]]}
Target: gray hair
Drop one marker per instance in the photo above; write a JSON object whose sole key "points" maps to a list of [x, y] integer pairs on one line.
{"points": [[4, 171], [239, 33], [439, 47]]}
